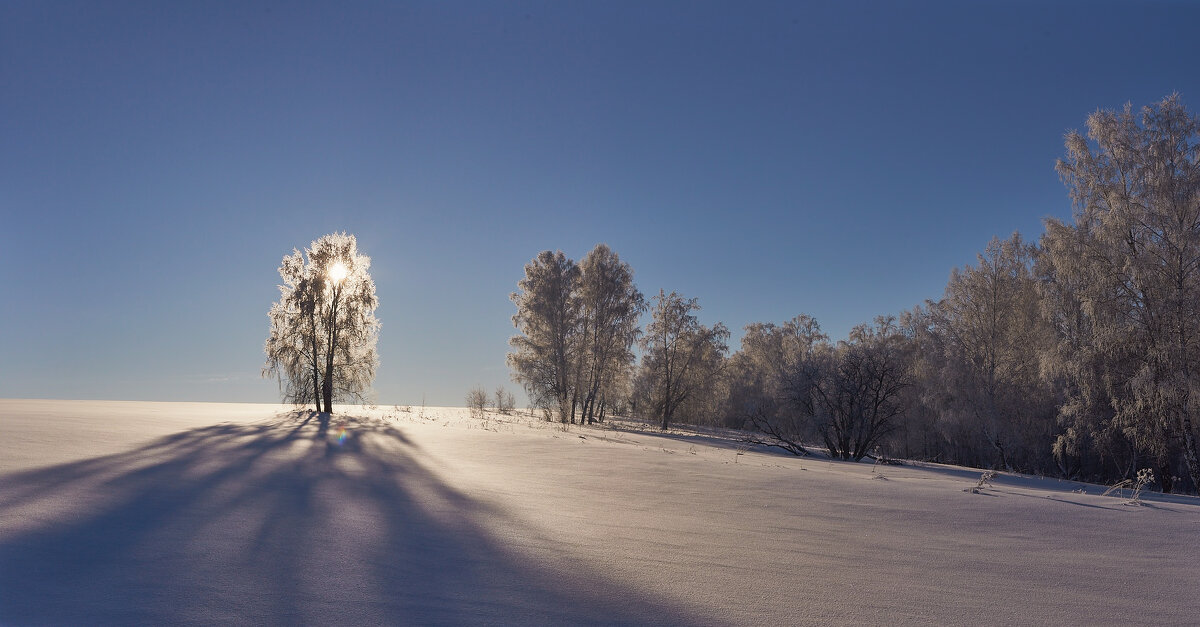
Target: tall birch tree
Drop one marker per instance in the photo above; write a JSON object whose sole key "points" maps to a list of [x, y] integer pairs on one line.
{"points": [[1135, 183], [681, 356], [323, 335], [544, 354], [990, 328], [610, 306], [772, 378]]}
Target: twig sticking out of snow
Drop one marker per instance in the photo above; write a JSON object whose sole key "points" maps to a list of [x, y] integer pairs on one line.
{"points": [[877, 467], [1144, 478], [985, 480]]}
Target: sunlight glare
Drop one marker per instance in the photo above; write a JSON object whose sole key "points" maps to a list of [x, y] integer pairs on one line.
{"points": [[338, 272]]}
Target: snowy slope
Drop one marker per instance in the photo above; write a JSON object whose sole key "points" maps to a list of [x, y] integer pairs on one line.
{"points": [[196, 513]]}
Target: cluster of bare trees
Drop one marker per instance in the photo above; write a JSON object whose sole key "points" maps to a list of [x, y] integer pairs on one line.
{"points": [[501, 402], [1125, 286], [577, 324], [1077, 355], [981, 397], [791, 386]]}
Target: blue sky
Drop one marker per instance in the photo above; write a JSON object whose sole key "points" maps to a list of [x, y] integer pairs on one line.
{"points": [[157, 160]]}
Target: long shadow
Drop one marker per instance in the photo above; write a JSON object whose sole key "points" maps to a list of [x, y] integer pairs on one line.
{"points": [[284, 522]]}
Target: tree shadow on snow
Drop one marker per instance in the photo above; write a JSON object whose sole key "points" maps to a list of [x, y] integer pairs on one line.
{"points": [[306, 519]]}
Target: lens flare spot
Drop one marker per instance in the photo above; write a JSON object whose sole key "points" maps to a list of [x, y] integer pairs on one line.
{"points": [[339, 437]]}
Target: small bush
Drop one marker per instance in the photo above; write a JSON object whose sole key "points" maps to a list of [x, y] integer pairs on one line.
{"points": [[504, 401], [1144, 478], [477, 400], [985, 480]]}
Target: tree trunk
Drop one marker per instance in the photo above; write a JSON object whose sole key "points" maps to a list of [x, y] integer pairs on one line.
{"points": [[316, 388], [1002, 458], [331, 349], [589, 406], [316, 362], [564, 408], [327, 385], [1189, 450], [666, 402], [1165, 480]]}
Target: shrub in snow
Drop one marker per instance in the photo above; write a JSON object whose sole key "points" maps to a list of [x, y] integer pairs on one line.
{"points": [[477, 400], [504, 401], [1144, 478], [985, 480], [877, 468]]}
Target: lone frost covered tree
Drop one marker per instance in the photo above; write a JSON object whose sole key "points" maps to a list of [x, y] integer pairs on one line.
{"points": [[323, 334]]}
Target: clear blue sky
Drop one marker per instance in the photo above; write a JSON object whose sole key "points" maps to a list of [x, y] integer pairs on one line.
{"points": [[158, 159]]}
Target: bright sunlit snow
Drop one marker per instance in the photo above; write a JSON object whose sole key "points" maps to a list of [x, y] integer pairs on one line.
{"points": [[203, 513]]}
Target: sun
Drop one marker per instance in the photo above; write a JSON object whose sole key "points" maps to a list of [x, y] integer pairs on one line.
{"points": [[338, 272]]}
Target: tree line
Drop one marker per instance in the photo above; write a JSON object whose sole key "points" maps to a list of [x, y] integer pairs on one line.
{"points": [[1077, 355]]}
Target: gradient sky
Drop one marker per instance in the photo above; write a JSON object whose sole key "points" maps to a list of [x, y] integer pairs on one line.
{"points": [[158, 159]]}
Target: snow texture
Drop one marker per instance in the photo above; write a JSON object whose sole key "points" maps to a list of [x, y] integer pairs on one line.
{"points": [[203, 513]]}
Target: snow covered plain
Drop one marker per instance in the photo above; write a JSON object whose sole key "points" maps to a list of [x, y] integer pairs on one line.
{"points": [[203, 513]]}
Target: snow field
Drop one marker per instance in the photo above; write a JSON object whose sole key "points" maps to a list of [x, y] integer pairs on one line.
{"points": [[195, 513]]}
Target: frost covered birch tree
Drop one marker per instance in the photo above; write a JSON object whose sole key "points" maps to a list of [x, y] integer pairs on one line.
{"points": [[681, 356], [771, 381], [1088, 374], [609, 307], [576, 324], [1135, 183], [991, 331], [545, 352], [323, 335]]}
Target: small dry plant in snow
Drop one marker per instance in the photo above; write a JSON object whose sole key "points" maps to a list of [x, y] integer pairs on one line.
{"points": [[504, 401], [877, 467], [477, 400], [1144, 478], [985, 480], [877, 470]]}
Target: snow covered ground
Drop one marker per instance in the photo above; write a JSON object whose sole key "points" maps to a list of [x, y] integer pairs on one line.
{"points": [[203, 513]]}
